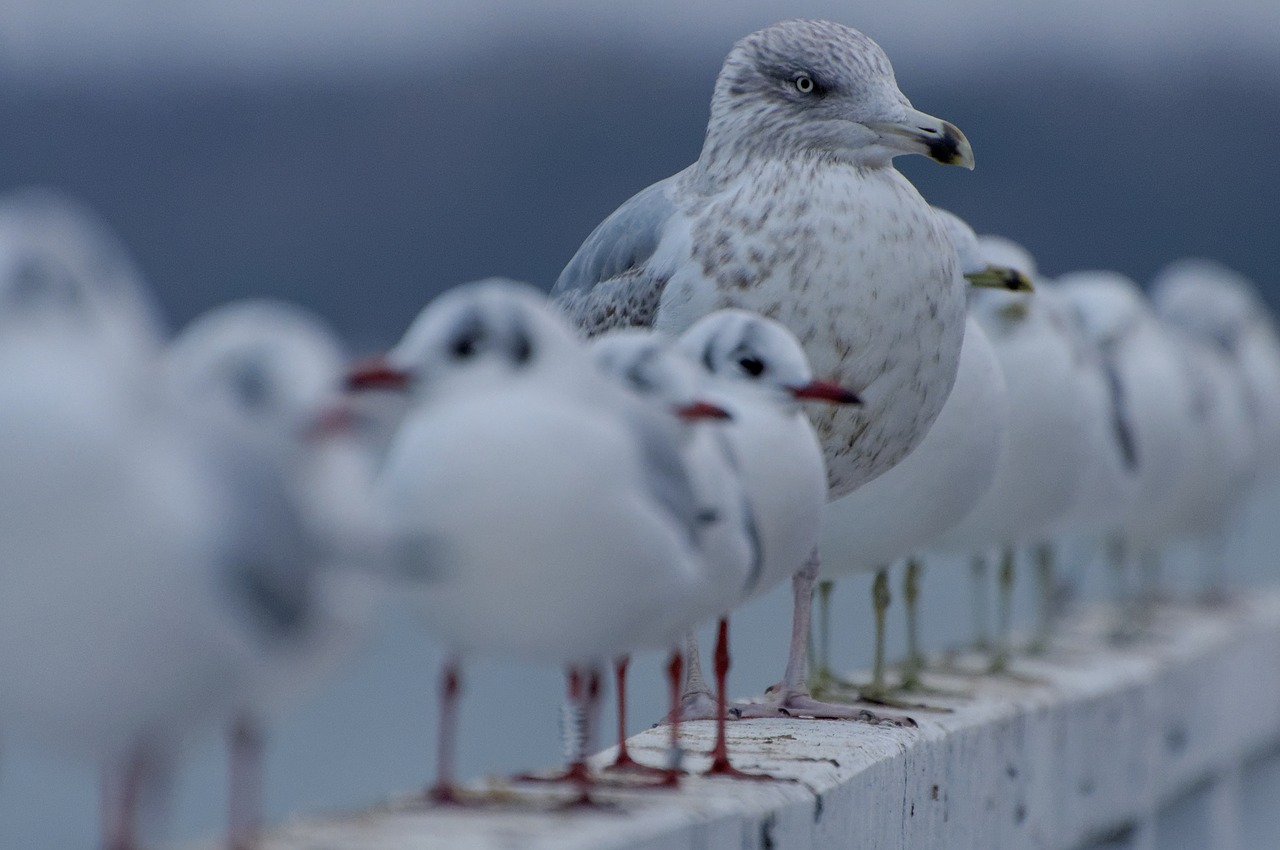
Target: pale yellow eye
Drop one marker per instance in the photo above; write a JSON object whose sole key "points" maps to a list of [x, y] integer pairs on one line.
{"points": [[803, 84]]}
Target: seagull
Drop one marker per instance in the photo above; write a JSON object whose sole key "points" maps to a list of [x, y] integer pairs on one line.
{"points": [[539, 511], [1218, 304], [1040, 469], [1152, 377], [1110, 479], [904, 510], [762, 376], [729, 542], [1226, 424], [267, 377], [109, 529], [794, 210]]}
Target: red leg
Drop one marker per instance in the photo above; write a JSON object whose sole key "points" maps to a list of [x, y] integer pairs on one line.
{"points": [[121, 789], [624, 761], [720, 765], [624, 758], [675, 677], [444, 791], [244, 816]]}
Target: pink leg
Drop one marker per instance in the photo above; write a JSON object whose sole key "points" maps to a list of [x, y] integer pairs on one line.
{"points": [[444, 791], [244, 822], [791, 698]]}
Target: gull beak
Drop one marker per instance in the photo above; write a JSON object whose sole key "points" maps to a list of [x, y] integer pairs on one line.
{"points": [[825, 391], [334, 420], [918, 132], [1000, 277], [702, 410], [376, 373]]}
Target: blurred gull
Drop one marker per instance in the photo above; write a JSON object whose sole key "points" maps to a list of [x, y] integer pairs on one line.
{"points": [[1221, 306], [1224, 455], [540, 511], [110, 530], [1110, 479], [1040, 469], [266, 378], [1153, 379], [794, 210]]}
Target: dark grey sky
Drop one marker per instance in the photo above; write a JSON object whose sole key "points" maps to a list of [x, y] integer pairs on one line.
{"points": [[38, 37]]}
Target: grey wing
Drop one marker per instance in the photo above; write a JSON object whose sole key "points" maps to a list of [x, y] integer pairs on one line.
{"points": [[750, 528], [270, 559], [609, 283], [665, 475]]}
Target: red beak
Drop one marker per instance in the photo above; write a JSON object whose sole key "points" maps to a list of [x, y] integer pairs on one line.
{"points": [[826, 391], [702, 410], [376, 374], [332, 421]]}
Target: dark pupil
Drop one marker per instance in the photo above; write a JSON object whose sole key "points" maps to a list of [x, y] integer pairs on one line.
{"points": [[752, 366], [464, 346], [522, 348]]}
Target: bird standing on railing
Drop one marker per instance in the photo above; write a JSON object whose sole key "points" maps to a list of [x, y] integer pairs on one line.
{"points": [[793, 210], [305, 547], [729, 541], [1226, 448], [1041, 467], [539, 511], [761, 377], [1114, 313]]}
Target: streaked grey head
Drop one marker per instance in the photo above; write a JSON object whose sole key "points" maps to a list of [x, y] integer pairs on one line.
{"points": [[1208, 299], [267, 364], [821, 87], [491, 329], [648, 364]]}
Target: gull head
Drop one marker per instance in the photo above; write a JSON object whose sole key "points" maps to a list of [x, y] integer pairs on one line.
{"points": [[472, 335], [265, 365], [975, 268], [1208, 299], [1108, 305], [1009, 260], [63, 272], [748, 351], [822, 88]]}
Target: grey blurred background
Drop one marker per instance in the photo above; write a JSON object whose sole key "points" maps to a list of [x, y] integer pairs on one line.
{"points": [[360, 157]]}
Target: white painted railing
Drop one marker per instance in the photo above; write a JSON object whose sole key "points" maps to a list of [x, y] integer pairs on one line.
{"points": [[1162, 744]]}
